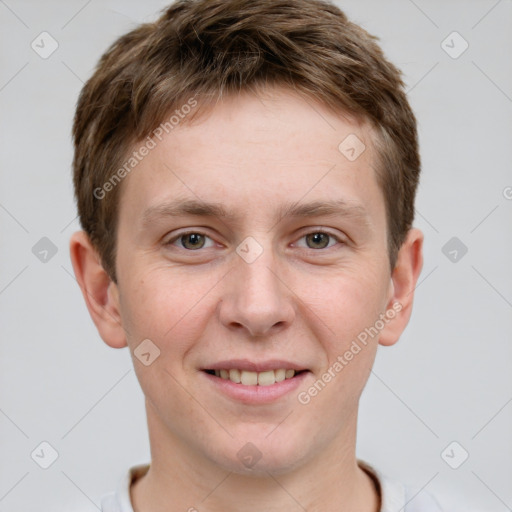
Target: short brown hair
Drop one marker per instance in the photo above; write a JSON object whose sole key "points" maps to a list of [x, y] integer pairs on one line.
{"points": [[209, 48]]}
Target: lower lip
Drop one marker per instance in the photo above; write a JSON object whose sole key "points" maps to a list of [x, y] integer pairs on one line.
{"points": [[256, 394]]}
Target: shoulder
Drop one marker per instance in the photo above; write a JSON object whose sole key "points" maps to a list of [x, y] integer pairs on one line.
{"points": [[397, 496], [417, 500], [110, 503], [120, 500]]}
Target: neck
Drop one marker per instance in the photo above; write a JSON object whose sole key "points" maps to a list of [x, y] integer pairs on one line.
{"points": [[180, 479]]}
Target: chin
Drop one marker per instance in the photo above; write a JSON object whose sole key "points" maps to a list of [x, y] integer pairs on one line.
{"points": [[258, 455]]}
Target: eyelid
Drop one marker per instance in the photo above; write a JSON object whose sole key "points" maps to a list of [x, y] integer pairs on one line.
{"points": [[319, 229], [310, 230], [176, 237]]}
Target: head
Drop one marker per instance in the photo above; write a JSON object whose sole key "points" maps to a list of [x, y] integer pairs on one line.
{"points": [[206, 144]]}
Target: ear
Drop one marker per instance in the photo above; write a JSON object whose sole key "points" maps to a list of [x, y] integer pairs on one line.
{"points": [[100, 292], [403, 282]]}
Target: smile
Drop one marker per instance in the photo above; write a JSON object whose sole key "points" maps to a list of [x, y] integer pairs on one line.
{"points": [[251, 378], [251, 382]]}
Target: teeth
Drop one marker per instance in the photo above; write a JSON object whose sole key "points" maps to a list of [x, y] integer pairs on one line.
{"points": [[266, 378], [248, 378], [234, 375], [280, 375]]}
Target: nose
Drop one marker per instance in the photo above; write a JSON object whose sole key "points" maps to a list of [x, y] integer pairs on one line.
{"points": [[256, 297]]}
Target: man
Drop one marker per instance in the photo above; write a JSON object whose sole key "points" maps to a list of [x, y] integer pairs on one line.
{"points": [[245, 173]]}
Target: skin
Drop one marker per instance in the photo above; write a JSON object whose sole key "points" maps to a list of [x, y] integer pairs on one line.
{"points": [[303, 299]]}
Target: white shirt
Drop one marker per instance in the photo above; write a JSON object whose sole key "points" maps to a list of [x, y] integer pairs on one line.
{"points": [[395, 496]]}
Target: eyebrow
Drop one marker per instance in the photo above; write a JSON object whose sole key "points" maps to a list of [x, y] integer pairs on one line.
{"points": [[193, 207]]}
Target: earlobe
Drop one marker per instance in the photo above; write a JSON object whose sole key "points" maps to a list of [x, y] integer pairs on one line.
{"points": [[404, 279], [99, 291]]}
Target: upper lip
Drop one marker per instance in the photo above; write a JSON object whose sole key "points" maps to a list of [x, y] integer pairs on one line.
{"points": [[252, 366]]}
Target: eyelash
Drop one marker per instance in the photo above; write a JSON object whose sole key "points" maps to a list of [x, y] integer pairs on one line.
{"points": [[317, 231]]}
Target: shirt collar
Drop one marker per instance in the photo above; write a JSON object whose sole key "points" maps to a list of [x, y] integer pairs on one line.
{"points": [[392, 493]]}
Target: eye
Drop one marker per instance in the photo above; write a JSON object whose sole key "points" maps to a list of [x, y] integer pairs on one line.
{"points": [[192, 240], [195, 240], [320, 240]]}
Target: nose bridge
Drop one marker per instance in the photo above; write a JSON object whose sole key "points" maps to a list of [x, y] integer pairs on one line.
{"points": [[257, 270], [257, 266], [257, 298]]}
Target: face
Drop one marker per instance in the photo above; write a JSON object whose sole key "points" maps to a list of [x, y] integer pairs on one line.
{"points": [[251, 247]]}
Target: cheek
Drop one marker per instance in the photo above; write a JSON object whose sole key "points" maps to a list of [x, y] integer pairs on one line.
{"points": [[349, 307], [165, 307], [348, 301]]}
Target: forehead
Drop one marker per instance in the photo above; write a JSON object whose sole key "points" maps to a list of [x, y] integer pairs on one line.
{"points": [[252, 150]]}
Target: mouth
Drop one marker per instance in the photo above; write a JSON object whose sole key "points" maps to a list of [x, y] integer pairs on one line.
{"points": [[253, 378], [255, 383]]}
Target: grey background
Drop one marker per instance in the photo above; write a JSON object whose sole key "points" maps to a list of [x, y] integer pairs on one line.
{"points": [[449, 377]]}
